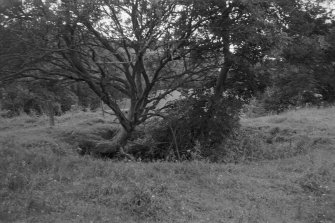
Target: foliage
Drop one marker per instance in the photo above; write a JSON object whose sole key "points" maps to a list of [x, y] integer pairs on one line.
{"points": [[302, 72], [192, 129], [32, 97], [240, 36]]}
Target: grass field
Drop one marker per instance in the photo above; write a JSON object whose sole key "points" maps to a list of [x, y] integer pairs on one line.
{"points": [[287, 175]]}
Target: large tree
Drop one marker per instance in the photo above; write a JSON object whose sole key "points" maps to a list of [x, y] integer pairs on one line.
{"points": [[130, 47]]}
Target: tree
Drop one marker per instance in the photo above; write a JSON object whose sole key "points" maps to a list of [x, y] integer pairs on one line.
{"points": [[303, 70], [130, 47], [238, 35]]}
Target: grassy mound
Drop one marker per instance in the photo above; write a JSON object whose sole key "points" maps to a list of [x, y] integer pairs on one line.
{"points": [[43, 179]]}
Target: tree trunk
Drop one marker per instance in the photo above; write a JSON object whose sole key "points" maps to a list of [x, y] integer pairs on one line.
{"points": [[102, 108], [120, 140], [51, 113], [221, 81], [222, 78], [110, 148]]}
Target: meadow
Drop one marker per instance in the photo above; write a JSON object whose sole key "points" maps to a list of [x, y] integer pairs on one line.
{"points": [[280, 169]]}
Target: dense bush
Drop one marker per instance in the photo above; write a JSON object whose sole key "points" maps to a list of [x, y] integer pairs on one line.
{"points": [[193, 127]]}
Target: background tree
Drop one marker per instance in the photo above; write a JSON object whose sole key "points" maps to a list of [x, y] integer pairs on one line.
{"points": [[302, 70]]}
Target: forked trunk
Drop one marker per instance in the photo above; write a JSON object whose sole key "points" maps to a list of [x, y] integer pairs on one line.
{"points": [[116, 146], [121, 140]]}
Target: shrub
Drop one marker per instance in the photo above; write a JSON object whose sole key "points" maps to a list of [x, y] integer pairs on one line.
{"points": [[194, 126]]}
